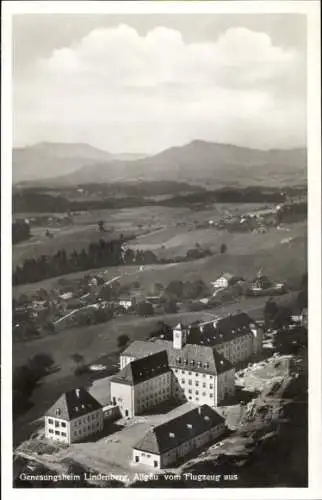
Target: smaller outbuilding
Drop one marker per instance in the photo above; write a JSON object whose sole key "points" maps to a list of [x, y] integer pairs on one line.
{"points": [[171, 441]]}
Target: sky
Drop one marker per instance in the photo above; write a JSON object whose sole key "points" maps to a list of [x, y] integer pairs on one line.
{"points": [[143, 83]]}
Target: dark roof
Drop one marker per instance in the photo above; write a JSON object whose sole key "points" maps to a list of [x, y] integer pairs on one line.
{"points": [[174, 432], [142, 348], [143, 369], [73, 404], [227, 328], [200, 358]]}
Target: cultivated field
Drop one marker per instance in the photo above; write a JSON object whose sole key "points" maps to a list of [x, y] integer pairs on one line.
{"points": [[281, 255], [134, 221]]}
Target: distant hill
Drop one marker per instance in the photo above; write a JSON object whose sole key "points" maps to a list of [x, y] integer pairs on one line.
{"points": [[47, 160], [201, 162]]}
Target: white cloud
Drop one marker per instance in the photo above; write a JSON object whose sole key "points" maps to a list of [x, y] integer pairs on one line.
{"points": [[121, 91]]}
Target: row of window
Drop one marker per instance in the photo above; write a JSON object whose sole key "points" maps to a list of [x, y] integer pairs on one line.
{"points": [[58, 423], [183, 372], [86, 430], [151, 386], [203, 394], [157, 394], [146, 403], [86, 419], [57, 433], [204, 385]]}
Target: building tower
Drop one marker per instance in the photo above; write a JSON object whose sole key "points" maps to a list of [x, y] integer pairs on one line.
{"points": [[180, 334]]}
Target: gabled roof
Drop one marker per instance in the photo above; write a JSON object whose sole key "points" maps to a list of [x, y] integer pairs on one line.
{"points": [[180, 326], [73, 404], [173, 433], [142, 348], [228, 276], [200, 358], [143, 369]]}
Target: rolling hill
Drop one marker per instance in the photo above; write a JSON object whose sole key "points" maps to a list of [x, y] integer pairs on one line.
{"points": [[197, 162], [46, 160]]}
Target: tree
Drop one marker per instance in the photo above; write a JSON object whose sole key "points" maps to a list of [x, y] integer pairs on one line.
{"points": [[78, 359], [170, 307], [223, 248], [282, 318], [101, 227], [145, 309], [122, 340], [40, 363], [270, 311], [174, 290], [50, 327], [162, 329]]}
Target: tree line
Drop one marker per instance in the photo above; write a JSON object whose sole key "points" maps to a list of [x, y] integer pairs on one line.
{"points": [[25, 379], [101, 254]]}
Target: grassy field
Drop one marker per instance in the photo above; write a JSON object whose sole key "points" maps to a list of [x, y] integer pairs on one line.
{"points": [[127, 221], [279, 259]]}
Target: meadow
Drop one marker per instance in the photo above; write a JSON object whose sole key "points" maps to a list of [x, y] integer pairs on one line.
{"points": [[129, 221]]}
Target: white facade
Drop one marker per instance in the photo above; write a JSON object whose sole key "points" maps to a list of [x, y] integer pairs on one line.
{"points": [[179, 337], [163, 460], [125, 360], [136, 399], [203, 388], [221, 282], [70, 431]]}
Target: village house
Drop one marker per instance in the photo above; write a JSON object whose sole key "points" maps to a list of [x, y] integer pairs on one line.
{"points": [[73, 417], [170, 441], [226, 280]]}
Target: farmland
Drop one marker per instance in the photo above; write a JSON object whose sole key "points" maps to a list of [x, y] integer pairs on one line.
{"points": [[159, 223]]}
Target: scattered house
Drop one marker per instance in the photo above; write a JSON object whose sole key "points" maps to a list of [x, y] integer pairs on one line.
{"points": [[165, 444], [154, 299], [142, 384], [301, 318], [226, 280], [127, 302], [260, 283], [66, 296], [73, 417]]}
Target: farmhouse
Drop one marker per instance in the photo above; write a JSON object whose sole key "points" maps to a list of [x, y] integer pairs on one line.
{"points": [[75, 416], [167, 443], [225, 280], [142, 384]]}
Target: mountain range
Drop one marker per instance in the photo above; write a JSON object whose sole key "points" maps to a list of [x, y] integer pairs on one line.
{"points": [[198, 162]]}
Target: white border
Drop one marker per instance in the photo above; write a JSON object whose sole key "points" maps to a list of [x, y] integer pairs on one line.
{"points": [[312, 10]]}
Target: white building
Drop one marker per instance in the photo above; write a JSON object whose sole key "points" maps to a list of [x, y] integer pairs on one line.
{"points": [[199, 373], [169, 442], [225, 280], [75, 416], [142, 384]]}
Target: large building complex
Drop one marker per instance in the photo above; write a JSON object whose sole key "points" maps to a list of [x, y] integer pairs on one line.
{"points": [[75, 416], [169, 442], [197, 365]]}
